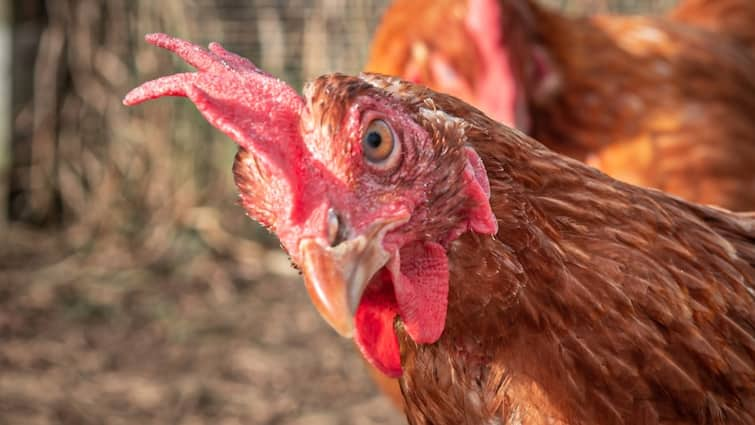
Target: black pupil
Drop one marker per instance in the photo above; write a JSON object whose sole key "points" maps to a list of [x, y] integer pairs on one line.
{"points": [[374, 139]]}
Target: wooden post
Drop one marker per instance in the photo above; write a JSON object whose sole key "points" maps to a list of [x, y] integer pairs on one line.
{"points": [[27, 186], [5, 108]]}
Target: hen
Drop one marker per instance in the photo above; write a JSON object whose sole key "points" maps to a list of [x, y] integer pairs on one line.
{"points": [[503, 282], [655, 101]]}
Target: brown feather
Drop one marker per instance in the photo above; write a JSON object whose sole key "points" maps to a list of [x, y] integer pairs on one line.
{"points": [[733, 18]]}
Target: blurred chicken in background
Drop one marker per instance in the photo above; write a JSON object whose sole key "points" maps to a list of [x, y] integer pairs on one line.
{"points": [[664, 102]]}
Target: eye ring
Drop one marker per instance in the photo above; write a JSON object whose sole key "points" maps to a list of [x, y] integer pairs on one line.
{"points": [[380, 146]]}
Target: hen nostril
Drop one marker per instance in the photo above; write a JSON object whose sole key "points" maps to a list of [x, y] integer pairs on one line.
{"points": [[334, 225], [338, 229]]}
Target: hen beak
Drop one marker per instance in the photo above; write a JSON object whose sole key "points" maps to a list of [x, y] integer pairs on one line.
{"points": [[337, 276]]}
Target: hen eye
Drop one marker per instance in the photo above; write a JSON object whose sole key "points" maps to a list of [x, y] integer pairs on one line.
{"points": [[378, 143]]}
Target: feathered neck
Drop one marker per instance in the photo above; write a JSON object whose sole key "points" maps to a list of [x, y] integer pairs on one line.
{"points": [[587, 283]]}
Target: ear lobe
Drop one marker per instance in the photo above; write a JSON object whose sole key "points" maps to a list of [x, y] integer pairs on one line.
{"points": [[481, 217]]}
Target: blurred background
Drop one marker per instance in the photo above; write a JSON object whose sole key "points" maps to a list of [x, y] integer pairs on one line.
{"points": [[132, 287]]}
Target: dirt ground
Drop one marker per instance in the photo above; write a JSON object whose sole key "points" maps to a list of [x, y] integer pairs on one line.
{"points": [[101, 347]]}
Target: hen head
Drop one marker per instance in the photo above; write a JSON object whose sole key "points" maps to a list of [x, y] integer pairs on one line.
{"points": [[363, 179]]}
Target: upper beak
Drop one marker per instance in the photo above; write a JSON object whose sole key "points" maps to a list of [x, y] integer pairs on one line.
{"points": [[336, 277]]}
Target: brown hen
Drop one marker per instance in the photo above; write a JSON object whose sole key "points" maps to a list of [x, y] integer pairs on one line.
{"points": [[504, 283], [663, 102]]}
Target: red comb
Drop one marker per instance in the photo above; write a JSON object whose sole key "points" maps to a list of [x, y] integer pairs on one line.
{"points": [[231, 92], [258, 111]]}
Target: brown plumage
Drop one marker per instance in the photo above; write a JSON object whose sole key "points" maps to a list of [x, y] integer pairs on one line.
{"points": [[597, 302], [562, 295], [658, 102], [732, 18]]}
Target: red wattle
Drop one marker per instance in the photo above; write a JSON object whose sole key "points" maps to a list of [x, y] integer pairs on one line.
{"points": [[374, 333], [416, 289], [421, 288]]}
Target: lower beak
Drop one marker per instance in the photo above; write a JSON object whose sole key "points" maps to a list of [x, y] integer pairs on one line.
{"points": [[336, 277]]}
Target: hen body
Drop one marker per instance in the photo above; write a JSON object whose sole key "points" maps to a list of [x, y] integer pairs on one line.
{"points": [[665, 102]]}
